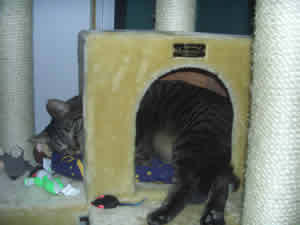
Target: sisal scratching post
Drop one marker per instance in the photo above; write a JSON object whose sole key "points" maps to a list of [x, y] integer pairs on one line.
{"points": [[16, 84], [175, 15], [272, 194]]}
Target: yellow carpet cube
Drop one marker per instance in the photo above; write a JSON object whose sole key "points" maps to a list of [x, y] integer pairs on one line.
{"points": [[116, 70]]}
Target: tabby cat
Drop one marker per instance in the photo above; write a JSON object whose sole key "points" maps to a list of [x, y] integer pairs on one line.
{"points": [[64, 133], [190, 127], [180, 123]]}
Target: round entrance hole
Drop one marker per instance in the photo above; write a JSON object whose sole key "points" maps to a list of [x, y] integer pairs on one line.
{"points": [[159, 170]]}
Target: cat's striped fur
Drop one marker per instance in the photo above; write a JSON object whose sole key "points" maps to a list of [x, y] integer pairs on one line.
{"points": [[179, 122], [64, 133], [194, 125]]}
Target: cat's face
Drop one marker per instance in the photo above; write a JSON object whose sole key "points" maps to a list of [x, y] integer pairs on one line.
{"points": [[60, 134]]}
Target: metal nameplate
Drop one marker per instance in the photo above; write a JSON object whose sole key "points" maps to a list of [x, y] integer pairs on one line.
{"points": [[189, 50]]}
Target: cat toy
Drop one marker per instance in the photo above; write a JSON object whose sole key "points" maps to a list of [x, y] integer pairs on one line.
{"points": [[44, 179], [67, 165], [14, 166], [110, 201]]}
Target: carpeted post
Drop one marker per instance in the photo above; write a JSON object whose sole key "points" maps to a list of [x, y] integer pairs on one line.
{"points": [[272, 193], [16, 81]]}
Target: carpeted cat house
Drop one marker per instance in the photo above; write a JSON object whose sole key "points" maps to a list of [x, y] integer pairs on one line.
{"points": [[116, 70]]}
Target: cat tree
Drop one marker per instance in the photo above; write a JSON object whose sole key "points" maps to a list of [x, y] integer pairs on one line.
{"points": [[272, 178], [118, 67]]}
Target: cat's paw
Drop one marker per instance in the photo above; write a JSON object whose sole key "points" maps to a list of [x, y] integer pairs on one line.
{"points": [[212, 217], [158, 217]]}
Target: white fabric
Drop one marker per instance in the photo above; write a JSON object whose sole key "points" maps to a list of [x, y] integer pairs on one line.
{"points": [[272, 191], [69, 190], [47, 163], [175, 15]]}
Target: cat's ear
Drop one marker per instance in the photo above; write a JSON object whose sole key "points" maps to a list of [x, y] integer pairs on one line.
{"points": [[57, 108], [41, 138]]}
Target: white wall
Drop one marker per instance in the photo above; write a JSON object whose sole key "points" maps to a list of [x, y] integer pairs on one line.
{"points": [[56, 24]]}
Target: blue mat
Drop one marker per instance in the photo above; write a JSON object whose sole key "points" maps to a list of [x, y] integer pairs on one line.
{"points": [[157, 172]]}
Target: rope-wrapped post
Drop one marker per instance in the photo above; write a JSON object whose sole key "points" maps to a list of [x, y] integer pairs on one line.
{"points": [[16, 80], [175, 15], [272, 191]]}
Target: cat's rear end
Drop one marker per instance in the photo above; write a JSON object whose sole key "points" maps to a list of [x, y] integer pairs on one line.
{"points": [[191, 127]]}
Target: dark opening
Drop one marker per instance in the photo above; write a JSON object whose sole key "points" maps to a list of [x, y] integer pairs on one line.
{"points": [[198, 77]]}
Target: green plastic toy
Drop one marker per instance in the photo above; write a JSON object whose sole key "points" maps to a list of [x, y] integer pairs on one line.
{"points": [[44, 180]]}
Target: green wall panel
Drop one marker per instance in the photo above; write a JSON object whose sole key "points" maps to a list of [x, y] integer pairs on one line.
{"points": [[214, 16]]}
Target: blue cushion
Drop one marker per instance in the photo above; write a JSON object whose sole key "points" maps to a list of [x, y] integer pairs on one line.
{"points": [[157, 172]]}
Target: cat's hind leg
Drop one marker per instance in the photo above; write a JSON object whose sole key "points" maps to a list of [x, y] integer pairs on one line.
{"points": [[191, 155], [225, 182], [175, 202]]}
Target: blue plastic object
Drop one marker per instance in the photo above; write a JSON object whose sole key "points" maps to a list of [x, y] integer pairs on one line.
{"points": [[157, 172]]}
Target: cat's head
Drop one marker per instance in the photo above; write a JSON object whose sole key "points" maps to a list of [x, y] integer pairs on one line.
{"points": [[60, 134]]}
